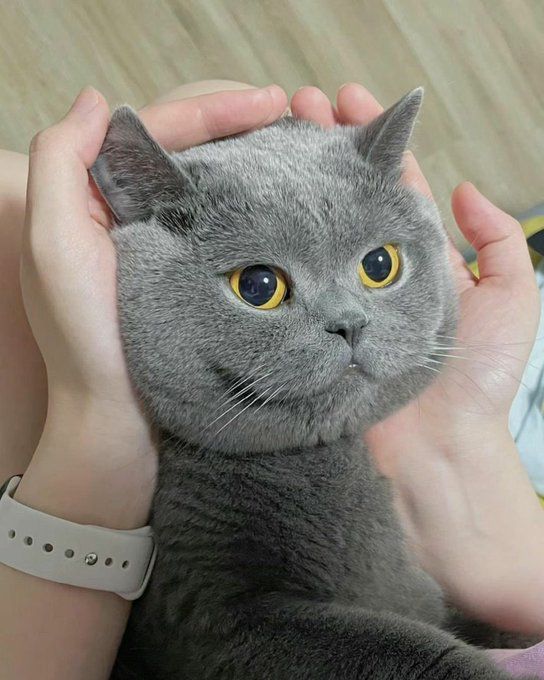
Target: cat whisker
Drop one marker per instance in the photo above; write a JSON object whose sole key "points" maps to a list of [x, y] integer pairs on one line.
{"points": [[246, 388], [240, 401], [484, 344], [450, 377], [429, 367], [260, 396], [240, 381], [270, 397], [488, 348], [467, 377], [449, 355], [508, 356], [436, 361], [483, 363]]}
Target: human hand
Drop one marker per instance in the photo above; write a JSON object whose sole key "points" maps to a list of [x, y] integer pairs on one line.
{"points": [[464, 499], [68, 281]]}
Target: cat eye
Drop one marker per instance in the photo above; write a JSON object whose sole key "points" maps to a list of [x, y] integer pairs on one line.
{"points": [[260, 286], [380, 267]]}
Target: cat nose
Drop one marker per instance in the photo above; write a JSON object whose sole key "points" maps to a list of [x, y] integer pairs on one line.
{"points": [[348, 326]]}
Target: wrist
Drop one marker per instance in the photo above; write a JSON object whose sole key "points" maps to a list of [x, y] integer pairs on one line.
{"points": [[95, 464], [473, 518], [505, 592]]}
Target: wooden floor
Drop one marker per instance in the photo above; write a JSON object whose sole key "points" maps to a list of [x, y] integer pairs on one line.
{"points": [[481, 62]]}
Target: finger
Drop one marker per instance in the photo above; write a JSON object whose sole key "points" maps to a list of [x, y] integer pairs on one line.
{"points": [[310, 103], [180, 124], [201, 87], [57, 193], [356, 106], [464, 277], [496, 236]]}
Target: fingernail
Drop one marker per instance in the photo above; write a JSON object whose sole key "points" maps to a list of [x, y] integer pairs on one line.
{"points": [[85, 101], [351, 83], [259, 94], [268, 94]]}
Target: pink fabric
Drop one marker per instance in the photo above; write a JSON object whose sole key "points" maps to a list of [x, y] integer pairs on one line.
{"points": [[521, 662]]}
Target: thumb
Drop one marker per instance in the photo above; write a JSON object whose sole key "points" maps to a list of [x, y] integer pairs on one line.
{"points": [[496, 236], [57, 193]]}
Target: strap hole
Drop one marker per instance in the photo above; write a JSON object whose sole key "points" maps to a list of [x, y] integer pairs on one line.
{"points": [[28, 540], [47, 547], [11, 533], [108, 561], [69, 553], [125, 564]]}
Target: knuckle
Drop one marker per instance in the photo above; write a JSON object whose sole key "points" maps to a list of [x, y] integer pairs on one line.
{"points": [[45, 141], [513, 224]]}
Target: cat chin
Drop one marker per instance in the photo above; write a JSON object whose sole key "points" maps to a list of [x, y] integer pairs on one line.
{"points": [[353, 403], [298, 422]]}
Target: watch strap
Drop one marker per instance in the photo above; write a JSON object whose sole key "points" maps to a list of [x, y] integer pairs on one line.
{"points": [[81, 555]]}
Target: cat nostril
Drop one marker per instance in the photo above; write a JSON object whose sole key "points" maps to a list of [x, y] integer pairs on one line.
{"points": [[346, 328], [342, 331]]}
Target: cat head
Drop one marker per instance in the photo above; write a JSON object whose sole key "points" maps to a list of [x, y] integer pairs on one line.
{"points": [[277, 289]]}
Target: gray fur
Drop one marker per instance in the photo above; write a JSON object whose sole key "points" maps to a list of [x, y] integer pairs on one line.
{"points": [[280, 555]]}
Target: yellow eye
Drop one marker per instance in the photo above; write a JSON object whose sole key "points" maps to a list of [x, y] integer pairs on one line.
{"points": [[260, 286], [380, 267]]}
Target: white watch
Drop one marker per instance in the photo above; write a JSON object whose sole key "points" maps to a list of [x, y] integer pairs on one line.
{"points": [[81, 555]]}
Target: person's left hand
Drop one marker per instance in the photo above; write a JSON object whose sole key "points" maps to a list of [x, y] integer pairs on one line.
{"points": [[96, 454], [464, 499]]}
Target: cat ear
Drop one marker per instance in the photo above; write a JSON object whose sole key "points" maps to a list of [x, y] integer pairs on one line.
{"points": [[134, 174], [384, 141]]}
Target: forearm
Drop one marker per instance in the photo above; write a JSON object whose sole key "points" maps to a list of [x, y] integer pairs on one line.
{"points": [[59, 631], [476, 524]]}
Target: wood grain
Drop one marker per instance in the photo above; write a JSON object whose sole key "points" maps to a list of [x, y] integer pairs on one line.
{"points": [[481, 63]]}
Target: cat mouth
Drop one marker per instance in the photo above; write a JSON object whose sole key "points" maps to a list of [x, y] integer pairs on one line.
{"points": [[355, 368], [242, 390]]}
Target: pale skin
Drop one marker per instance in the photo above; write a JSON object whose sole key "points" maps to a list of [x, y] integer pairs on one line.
{"points": [[463, 496]]}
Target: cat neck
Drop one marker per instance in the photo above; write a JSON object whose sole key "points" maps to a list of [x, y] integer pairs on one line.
{"points": [[301, 518], [336, 461]]}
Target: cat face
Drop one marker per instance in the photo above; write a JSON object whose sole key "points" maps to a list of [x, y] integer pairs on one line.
{"points": [[277, 289]]}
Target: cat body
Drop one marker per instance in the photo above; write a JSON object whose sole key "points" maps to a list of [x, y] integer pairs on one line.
{"points": [[280, 555], [288, 527]]}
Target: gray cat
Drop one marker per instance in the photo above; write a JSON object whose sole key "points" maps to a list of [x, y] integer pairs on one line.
{"points": [[277, 293]]}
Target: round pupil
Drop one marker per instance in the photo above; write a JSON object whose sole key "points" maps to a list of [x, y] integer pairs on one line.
{"points": [[377, 264], [257, 285]]}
